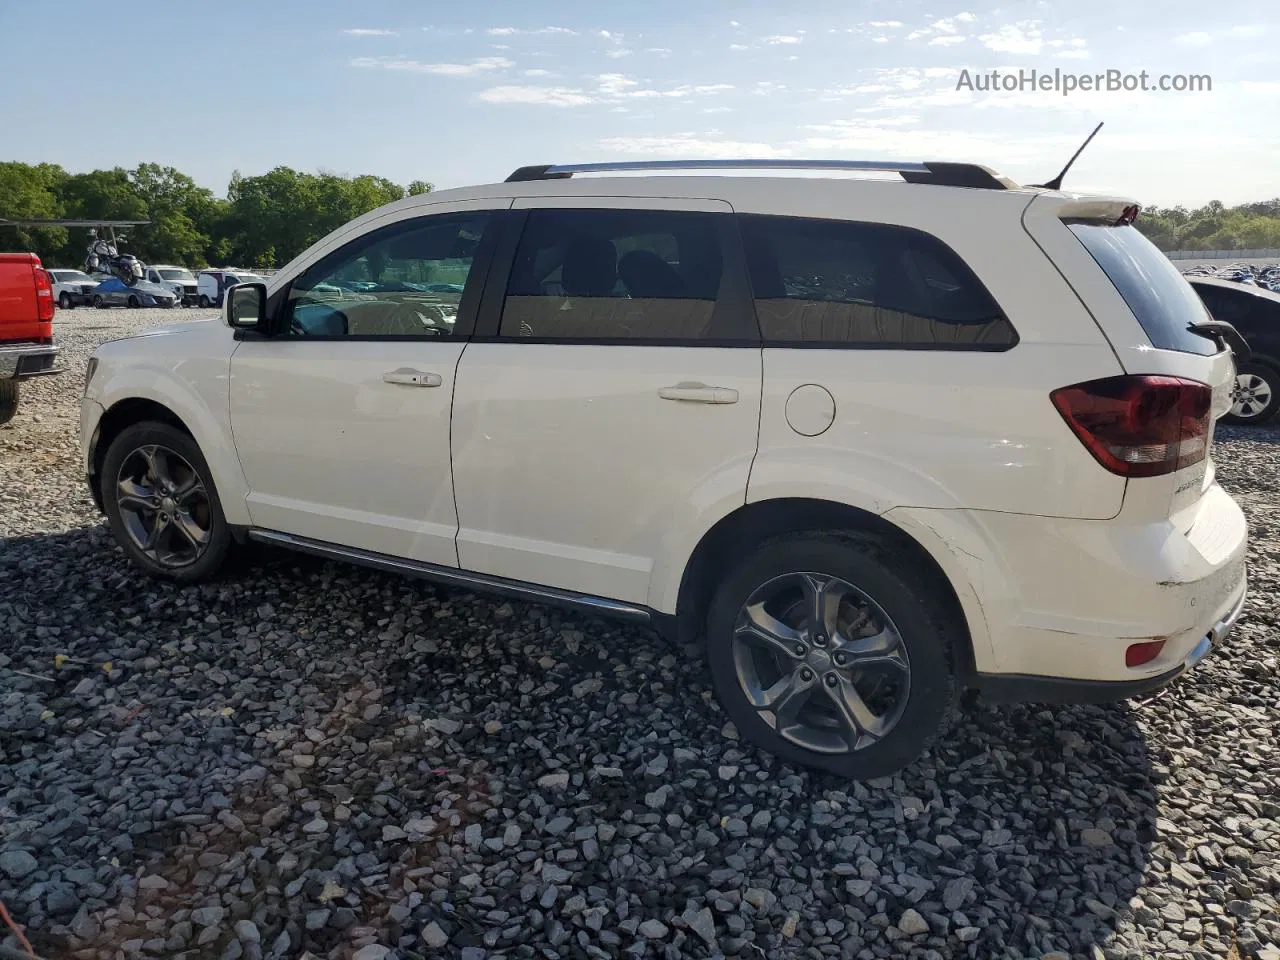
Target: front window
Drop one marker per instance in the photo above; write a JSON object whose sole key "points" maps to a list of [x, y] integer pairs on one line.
{"points": [[177, 275], [404, 281], [1159, 296]]}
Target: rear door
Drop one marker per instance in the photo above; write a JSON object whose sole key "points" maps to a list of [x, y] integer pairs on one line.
{"points": [[615, 394]]}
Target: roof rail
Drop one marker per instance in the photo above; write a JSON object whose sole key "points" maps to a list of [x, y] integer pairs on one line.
{"points": [[937, 173]]}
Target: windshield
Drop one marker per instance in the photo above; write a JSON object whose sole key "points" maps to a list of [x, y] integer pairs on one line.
{"points": [[1161, 299], [177, 274], [64, 276]]}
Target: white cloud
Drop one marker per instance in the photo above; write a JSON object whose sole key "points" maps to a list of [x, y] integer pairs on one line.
{"points": [[499, 46], [945, 41], [474, 68], [734, 23], [538, 72], [684, 145], [542, 96], [561, 30], [368, 32], [880, 24], [782, 39], [618, 53], [880, 40], [661, 51], [606, 34], [966, 17], [1247, 30], [1023, 37], [502, 31], [541, 31], [737, 46], [610, 88], [1197, 38], [720, 109]]}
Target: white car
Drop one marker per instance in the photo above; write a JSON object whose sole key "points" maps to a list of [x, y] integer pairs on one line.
{"points": [[873, 442], [180, 280], [72, 288]]}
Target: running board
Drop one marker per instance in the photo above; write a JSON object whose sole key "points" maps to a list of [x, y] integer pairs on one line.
{"points": [[453, 576]]}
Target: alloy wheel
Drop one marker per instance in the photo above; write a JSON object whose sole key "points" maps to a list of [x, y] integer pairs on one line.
{"points": [[821, 662], [1252, 396], [164, 506]]}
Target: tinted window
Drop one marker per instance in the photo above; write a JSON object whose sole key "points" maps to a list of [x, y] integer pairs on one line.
{"points": [[615, 275], [402, 281], [1151, 285], [837, 282]]}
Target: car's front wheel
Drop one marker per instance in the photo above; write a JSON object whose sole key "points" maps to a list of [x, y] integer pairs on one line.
{"points": [[64, 301], [1257, 395], [827, 651], [98, 301], [161, 503]]}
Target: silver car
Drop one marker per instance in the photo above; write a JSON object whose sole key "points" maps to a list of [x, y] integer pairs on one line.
{"points": [[114, 292]]}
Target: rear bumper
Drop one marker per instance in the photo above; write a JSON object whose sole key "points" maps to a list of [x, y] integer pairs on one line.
{"points": [[1012, 688], [26, 360]]}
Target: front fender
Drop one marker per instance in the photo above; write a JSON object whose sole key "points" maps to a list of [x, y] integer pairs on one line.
{"points": [[195, 389]]}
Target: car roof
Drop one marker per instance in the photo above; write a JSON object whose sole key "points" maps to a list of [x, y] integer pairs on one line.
{"points": [[1262, 292]]}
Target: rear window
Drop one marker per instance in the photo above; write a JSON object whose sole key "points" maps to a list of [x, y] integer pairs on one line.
{"points": [[1162, 300]]}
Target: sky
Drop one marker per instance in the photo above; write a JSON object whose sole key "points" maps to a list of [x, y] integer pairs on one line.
{"points": [[464, 93]]}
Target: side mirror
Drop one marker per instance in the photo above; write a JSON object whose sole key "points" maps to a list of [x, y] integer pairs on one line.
{"points": [[246, 306]]}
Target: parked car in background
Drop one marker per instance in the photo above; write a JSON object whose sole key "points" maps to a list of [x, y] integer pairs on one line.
{"points": [[870, 443], [1255, 312], [214, 284], [26, 326], [71, 288], [179, 280], [114, 292]]}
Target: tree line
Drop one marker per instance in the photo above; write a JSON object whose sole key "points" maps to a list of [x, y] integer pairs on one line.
{"points": [[263, 222], [266, 220]]}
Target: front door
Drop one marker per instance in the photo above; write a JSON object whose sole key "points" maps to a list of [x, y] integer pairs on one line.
{"points": [[619, 392], [341, 419]]}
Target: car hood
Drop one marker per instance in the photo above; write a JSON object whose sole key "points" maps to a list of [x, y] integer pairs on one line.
{"points": [[180, 328]]}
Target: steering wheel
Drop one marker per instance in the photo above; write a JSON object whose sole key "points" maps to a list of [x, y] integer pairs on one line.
{"points": [[413, 319]]}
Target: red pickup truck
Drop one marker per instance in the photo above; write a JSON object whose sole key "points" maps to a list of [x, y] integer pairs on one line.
{"points": [[26, 326]]}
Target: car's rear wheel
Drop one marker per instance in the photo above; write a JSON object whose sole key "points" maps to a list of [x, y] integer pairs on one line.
{"points": [[1257, 395], [8, 400], [204, 302], [133, 301], [826, 651], [161, 503], [98, 301]]}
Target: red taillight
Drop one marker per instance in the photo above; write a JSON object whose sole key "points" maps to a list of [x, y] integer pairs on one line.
{"points": [[1139, 426], [1140, 653], [44, 296]]}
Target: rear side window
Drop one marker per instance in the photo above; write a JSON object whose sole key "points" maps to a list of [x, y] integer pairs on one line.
{"points": [[1160, 298], [621, 275], [842, 283]]}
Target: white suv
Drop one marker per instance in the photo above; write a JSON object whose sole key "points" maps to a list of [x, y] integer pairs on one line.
{"points": [[871, 441]]}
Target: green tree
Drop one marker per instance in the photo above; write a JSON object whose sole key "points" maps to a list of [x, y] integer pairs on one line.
{"points": [[31, 193]]}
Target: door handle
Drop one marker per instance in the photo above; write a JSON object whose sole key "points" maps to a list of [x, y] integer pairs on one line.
{"points": [[413, 378], [699, 393]]}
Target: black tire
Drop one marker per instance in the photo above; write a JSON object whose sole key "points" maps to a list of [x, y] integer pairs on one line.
{"points": [[1262, 385], [204, 302], [99, 302], [924, 621], [133, 301], [125, 445], [64, 301], [8, 400]]}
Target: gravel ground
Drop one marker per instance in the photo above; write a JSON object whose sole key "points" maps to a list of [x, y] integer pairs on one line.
{"points": [[307, 759]]}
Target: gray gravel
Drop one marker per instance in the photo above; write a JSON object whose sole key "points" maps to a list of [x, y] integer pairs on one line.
{"points": [[309, 760]]}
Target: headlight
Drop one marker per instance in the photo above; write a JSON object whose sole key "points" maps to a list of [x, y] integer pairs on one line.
{"points": [[89, 371]]}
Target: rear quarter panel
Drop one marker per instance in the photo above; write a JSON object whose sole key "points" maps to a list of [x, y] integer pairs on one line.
{"points": [[18, 313], [942, 428]]}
